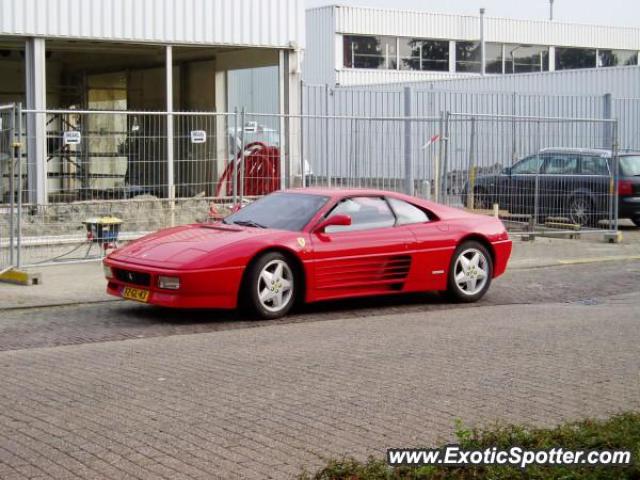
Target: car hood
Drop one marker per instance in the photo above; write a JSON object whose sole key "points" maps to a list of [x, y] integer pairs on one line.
{"points": [[182, 247]]}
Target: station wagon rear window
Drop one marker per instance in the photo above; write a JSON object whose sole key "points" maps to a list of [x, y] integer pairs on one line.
{"points": [[630, 165]]}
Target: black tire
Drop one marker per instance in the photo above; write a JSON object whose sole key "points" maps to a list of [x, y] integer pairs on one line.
{"points": [[455, 291], [255, 282], [581, 210]]}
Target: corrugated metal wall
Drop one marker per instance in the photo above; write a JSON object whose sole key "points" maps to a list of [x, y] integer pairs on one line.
{"points": [[270, 23], [256, 90], [319, 57]]}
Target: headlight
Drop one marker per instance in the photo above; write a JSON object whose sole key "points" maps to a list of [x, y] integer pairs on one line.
{"points": [[169, 283], [108, 272]]}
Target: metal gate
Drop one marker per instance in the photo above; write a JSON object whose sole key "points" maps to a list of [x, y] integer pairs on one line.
{"points": [[7, 187]]}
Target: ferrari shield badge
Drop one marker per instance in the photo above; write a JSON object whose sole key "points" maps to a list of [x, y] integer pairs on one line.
{"points": [[301, 242]]}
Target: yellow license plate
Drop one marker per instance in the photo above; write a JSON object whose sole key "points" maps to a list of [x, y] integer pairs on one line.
{"points": [[135, 294]]}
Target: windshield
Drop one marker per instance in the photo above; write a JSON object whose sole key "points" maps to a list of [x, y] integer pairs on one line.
{"points": [[282, 211], [630, 165]]}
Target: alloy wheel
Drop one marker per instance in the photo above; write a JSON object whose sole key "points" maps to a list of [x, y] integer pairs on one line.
{"points": [[471, 271], [275, 286]]}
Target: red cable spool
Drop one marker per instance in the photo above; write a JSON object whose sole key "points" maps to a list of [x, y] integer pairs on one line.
{"points": [[261, 171]]}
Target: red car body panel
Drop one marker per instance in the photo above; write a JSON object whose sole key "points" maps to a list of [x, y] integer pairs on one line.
{"points": [[210, 260]]}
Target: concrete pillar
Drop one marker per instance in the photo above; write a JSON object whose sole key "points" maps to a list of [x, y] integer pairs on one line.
{"points": [[36, 90], [290, 124], [222, 122]]}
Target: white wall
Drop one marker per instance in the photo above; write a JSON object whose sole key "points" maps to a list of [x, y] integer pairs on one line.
{"points": [[267, 23]]}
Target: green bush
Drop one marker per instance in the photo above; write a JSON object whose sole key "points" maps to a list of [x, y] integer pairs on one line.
{"points": [[621, 432]]}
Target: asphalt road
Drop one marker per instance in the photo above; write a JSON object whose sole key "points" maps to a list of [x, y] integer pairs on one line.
{"points": [[246, 399]]}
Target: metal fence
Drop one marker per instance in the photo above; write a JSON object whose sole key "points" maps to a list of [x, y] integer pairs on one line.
{"points": [[7, 187], [156, 169]]}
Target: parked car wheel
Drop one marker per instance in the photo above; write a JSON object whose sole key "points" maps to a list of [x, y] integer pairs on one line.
{"points": [[581, 210], [470, 272], [271, 286]]}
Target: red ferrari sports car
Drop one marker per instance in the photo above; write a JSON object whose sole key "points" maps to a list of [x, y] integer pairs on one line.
{"points": [[313, 244]]}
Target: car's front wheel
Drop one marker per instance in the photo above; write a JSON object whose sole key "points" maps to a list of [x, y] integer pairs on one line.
{"points": [[271, 286], [470, 272]]}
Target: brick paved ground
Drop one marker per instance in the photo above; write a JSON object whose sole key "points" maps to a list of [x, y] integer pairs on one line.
{"points": [[42, 327], [263, 402]]}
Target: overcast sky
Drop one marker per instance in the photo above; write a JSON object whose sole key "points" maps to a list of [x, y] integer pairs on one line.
{"points": [[608, 12]]}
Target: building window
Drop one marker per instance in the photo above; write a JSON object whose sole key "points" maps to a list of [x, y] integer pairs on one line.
{"points": [[525, 58], [571, 58], [493, 57], [468, 57], [419, 54], [370, 52], [615, 58]]}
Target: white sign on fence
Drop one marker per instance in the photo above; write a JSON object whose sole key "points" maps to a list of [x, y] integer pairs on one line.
{"points": [[72, 137], [198, 136]]}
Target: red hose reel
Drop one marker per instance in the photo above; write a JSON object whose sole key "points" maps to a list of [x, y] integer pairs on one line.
{"points": [[261, 171]]}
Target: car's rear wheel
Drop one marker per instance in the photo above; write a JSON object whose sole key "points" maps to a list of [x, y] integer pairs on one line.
{"points": [[470, 272], [271, 286], [581, 210]]}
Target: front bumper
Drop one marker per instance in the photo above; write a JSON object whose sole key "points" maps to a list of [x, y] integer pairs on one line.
{"points": [[212, 288]]}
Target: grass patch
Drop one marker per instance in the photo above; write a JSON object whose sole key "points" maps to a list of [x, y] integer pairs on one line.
{"points": [[620, 432]]}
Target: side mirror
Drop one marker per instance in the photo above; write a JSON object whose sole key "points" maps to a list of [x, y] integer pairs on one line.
{"points": [[506, 171], [333, 220]]}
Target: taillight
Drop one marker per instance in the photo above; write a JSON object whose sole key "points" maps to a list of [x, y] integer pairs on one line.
{"points": [[625, 187]]}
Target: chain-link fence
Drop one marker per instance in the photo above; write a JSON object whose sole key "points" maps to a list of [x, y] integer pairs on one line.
{"points": [[135, 172]]}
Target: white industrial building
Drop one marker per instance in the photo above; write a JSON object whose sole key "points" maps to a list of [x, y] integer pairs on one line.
{"points": [[357, 46], [143, 55]]}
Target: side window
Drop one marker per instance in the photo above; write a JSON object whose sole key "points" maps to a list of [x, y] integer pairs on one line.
{"points": [[594, 166], [530, 165], [407, 213], [561, 165], [366, 213]]}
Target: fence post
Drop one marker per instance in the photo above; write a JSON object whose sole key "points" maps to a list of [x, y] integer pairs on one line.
{"points": [[12, 173], [438, 163], [445, 158], [241, 196], [303, 180], [472, 166], [408, 145], [171, 189], [616, 174], [326, 133], [234, 159], [607, 113], [19, 217]]}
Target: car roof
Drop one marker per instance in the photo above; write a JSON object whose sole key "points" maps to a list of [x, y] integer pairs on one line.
{"points": [[580, 151]]}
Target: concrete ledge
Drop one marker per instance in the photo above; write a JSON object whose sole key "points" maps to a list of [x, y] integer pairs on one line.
{"points": [[19, 277]]}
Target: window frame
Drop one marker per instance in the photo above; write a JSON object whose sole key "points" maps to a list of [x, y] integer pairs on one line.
{"points": [[384, 199], [566, 156], [529, 158], [427, 214]]}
